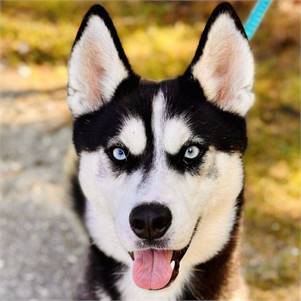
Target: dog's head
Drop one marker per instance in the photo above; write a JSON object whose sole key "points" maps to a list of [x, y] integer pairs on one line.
{"points": [[160, 162]]}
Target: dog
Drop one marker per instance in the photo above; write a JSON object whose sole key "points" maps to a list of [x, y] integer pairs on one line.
{"points": [[160, 178]]}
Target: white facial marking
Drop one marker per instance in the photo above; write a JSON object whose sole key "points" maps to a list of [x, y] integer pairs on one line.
{"points": [[133, 135], [158, 121], [150, 189], [95, 69], [226, 67], [176, 134]]}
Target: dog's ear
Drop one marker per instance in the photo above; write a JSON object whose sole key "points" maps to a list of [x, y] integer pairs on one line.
{"points": [[223, 63], [97, 63]]}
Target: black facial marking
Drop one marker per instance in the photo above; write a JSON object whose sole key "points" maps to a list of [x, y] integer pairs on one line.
{"points": [[182, 164], [133, 98], [223, 130], [130, 164], [184, 97]]}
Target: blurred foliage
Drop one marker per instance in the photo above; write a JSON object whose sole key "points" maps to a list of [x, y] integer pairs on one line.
{"points": [[160, 39], [32, 37]]}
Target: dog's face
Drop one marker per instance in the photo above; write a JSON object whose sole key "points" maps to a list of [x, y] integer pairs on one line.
{"points": [[160, 162]]}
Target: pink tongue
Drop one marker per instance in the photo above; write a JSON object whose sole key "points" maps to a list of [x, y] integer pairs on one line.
{"points": [[152, 268]]}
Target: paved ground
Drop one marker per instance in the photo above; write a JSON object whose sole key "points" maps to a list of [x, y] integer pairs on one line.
{"points": [[39, 251], [41, 241]]}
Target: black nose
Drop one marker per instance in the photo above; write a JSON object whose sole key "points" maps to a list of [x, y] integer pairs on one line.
{"points": [[150, 221]]}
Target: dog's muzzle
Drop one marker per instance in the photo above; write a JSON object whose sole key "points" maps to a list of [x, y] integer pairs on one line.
{"points": [[156, 269]]}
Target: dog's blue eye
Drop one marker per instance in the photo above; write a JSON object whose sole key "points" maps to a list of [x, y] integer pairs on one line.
{"points": [[119, 154], [191, 152]]}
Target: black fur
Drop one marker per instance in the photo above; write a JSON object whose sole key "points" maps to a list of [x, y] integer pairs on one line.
{"points": [[77, 196], [102, 272], [223, 130], [182, 164]]}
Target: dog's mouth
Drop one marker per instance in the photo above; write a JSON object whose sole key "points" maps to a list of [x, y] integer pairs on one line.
{"points": [[156, 269]]}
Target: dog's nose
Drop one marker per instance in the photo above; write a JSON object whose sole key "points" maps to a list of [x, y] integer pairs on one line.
{"points": [[150, 221]]}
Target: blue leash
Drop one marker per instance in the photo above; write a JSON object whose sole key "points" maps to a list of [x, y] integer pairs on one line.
{"points": [[256, 17]]}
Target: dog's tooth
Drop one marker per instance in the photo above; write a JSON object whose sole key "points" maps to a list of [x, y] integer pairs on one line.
{"points": [[172, 264]]}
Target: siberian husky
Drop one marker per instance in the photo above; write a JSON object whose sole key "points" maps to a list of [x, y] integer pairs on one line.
{"points": [[160, 179]]}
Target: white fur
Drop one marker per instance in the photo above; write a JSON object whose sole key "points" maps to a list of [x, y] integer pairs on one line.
{"points": [[218, 212], [133, 135], [226, 68], [95, 69], [176, 133], [94, 167], [210, 196], [109, 199], [158, 120]]}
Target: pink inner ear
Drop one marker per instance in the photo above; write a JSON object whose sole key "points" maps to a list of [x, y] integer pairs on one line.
{"points": [[225, 68], [224, 71], [92, 71], [95, 68]]}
